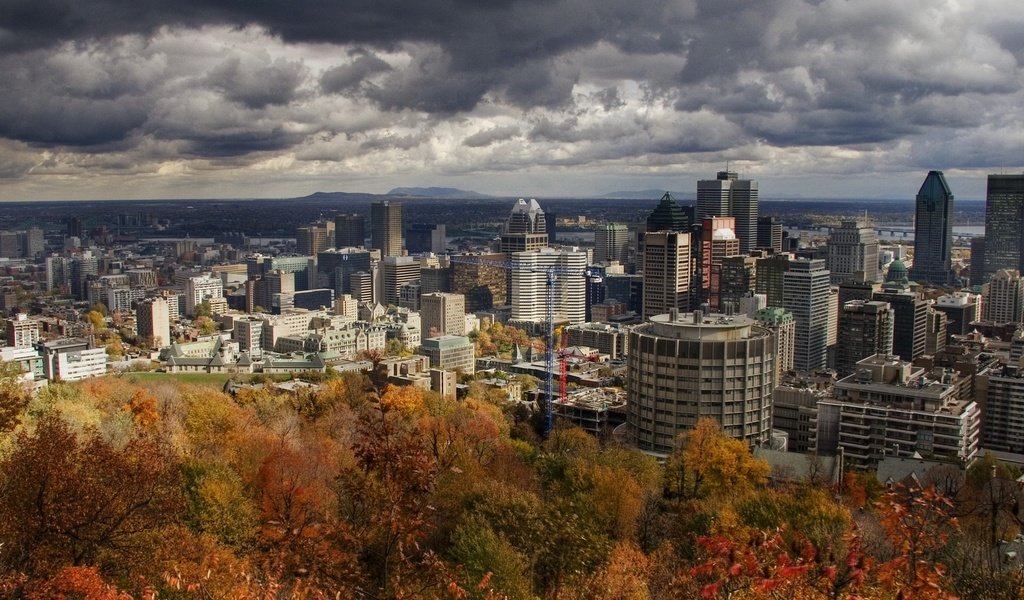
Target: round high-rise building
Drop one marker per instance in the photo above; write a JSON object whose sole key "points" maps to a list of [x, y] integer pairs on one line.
{"points": [[684, 366]]}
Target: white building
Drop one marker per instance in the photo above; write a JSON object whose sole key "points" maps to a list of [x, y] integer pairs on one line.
{"points": [[530, 284], [72, 359], [199, 288]]}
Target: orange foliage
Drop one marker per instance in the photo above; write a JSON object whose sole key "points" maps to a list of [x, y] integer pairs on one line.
{"points": [[405, 399], [74, 583], [143, 408]]}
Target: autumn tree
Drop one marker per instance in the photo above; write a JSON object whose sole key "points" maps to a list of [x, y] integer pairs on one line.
{"points": [[706, 462], [72, 502], [919, 524], [14, 395]]}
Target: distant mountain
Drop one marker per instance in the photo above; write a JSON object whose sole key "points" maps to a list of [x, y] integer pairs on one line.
{"points": [[649, 195], [436, 192]]}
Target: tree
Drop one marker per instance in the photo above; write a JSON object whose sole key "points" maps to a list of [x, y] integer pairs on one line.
{"points": [[96, 319], [706, 462], [14, 395], [72, 502], [205, 325], [919, 524], [203, 309]]}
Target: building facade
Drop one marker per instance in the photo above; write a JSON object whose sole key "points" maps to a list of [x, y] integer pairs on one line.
{"points": [[1004, 225], [666, 272], [386, 227], [806, 292], [729, 196], [853, 247]]}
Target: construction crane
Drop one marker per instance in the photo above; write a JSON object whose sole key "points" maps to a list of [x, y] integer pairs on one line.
{"points": [[552, 273]]}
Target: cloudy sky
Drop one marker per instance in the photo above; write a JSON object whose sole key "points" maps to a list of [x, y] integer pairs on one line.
{"points": [[249, 98]]}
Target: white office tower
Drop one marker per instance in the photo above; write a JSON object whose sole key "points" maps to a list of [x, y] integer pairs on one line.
{"points": [[667, 269], [200, 288], [806, 294], [853, 247], [529, 285]]}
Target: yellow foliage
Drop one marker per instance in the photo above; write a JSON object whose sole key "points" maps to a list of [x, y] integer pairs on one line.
{"points": [[404, 399]]}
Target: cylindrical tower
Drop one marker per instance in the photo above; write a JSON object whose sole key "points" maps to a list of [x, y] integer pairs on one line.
{"points": [[684, 366]]}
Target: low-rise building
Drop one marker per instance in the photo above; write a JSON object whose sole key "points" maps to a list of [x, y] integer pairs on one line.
{"points": [[449, 352]]}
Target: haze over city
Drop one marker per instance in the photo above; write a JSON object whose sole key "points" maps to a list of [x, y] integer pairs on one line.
{"points": [[199, 99]]}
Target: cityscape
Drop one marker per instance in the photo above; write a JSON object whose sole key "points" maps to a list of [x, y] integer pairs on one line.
{"points": [[512, 300]]}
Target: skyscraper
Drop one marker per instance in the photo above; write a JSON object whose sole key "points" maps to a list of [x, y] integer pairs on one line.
{"points": [[910, 320], [349, 231], [769, 234], [668, 216], [933, 231], [853, 247], [386, 227], [1004, 225], [611, 242], [443, 314], [805, 293], [729, 196], [718, 240], [666, 272], [529, 286]]}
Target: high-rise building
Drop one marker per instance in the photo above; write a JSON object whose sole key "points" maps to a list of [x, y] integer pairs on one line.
{"points": [[336, 266], [1003, 300], [484, 284], [669, 216], [739, 280], [22, 332], [529, 285], [666, 276], [783, 327], [853, 247], [933, 232], [865, 329], [398, 271], [442, 314], [977, 269], [83, 268], [935, 332], [425, 237], [611, 242], [386, 227], [349, 231], [312, 239], [805, 293], [729, 196], [718, 240], [910, 320], [526, 228], [153, 322], [770, 272], [685, 366], [769, 234], [1004, 225]]}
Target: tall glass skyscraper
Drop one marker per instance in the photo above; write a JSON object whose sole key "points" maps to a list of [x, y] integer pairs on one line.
{"points": [[1004, 224], [933, 232]]}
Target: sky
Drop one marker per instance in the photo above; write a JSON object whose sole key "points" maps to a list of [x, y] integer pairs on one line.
{"points": [[247, 98]]}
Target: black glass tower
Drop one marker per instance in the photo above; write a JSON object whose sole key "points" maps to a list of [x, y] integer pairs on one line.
{"points": [[1004, 224], [933, 232]]}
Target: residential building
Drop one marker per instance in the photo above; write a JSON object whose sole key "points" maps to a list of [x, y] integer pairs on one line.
{"points": [[889, 407], [933, 232], [608, 339], [22, 332], [153, 322], [783, 327], [1003, 298], [198, 289], [999, 390]]}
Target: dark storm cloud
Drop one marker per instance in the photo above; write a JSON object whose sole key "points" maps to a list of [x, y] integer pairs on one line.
{"points": [[345, 77], [257, 86]]}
